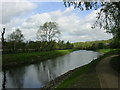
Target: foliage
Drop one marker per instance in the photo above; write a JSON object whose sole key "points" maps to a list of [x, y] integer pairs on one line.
{"points": [[108, 16], [15, 40], [48, 31], [16, 36], [115, 43], [92, 45], [35, 46], [115, 63], [10, 60], [104, 50], [68, 45]]}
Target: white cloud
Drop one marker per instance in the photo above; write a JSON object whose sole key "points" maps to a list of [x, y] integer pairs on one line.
{"points": [[73, 28], [14, 9]]}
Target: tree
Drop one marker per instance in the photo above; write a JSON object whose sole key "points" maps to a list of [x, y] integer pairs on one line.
{"points": [[3, 39], [16, 36], [61, 44], [108, 17], [69, 45], [15, 39], [48, 31]]}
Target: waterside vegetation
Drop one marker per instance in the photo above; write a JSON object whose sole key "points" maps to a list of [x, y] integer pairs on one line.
{"points": [[11, 60]]}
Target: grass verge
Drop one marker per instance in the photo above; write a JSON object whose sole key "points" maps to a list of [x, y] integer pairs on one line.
{"points": [[105, 50], [115, 63], [86, 76], [10, 60]]}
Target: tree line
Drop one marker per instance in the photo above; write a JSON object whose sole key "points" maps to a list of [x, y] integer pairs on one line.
{"points": [[46, 35], [99, 44]]}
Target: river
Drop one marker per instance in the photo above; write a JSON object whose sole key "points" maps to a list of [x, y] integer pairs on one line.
{"points": [[37, 75]]}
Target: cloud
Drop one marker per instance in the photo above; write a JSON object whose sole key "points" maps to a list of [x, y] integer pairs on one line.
{"points": [[73, 28], [13, 9]]}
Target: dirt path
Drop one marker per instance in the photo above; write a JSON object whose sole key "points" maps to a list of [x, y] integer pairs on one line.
{"points": [[107, 76]]}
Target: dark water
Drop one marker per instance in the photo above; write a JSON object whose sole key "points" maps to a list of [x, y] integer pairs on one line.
{"points": [[37, 75]]}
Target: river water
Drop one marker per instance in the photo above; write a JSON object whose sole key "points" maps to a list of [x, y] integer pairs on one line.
{"points": [[37, 75]]}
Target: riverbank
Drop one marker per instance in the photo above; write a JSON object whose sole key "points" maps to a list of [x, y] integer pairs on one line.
{"points": [[108, 77], [115, 63], [82, 77], [13, 60], [71, 79]]}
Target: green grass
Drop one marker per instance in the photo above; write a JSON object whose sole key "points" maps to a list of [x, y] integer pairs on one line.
{"points": [[115, 63], [26, 58], [81, 78], [105, 50], [86, 76]]}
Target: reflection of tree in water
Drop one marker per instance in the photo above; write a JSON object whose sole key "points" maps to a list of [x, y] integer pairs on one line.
{"points": [[4, 80], [17, 77], [50, 69], [61, 64], [45, 71], [41, 72]]}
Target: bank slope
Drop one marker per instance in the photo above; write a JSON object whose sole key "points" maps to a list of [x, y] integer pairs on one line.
{"points": [[18, 59]]}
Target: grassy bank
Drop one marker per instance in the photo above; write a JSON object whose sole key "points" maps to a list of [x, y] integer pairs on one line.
{"points": [[86, 76], [106, 50], [9, 60], [115, 63]]}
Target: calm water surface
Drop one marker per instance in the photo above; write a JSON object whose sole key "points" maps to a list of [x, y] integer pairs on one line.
{"points": [[37, 75]]}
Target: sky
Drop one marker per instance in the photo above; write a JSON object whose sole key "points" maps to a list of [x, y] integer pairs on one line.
{"points": [[28, 16]]}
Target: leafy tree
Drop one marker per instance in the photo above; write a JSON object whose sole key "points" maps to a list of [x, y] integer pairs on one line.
{"points": [[68, 45], [92, 45], [3, 39], [48, 31], [61, 44], [115, 43], [109, 18], [16, 36], [15, 39]]}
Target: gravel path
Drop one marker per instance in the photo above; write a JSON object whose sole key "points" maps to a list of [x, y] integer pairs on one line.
{"points": [[107, 76]]}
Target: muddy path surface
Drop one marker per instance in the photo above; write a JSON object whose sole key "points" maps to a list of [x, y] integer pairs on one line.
{"points": [[108, 77]]}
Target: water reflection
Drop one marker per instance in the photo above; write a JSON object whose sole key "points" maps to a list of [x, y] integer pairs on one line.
{"points": [[41, 72], [37, 75], [4, 80], [16, 77]]}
